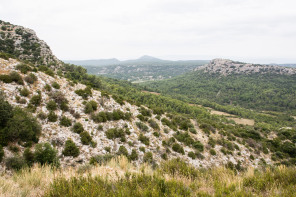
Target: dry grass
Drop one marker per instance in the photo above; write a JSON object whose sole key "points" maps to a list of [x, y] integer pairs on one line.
{"points": [[217, 181]]}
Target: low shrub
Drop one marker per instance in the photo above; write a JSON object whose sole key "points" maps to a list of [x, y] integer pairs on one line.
{"points": [[85, 138], [78, 128], [71, 149], [144, 139], [15, 163], [178, 148], [66, 122]]}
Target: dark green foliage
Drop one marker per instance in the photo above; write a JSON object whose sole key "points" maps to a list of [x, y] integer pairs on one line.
{"points": [[24, 92], [29, 156], [134, 155], [144, 139], [22, 126], [164, 156], [193, 130], [31, 78], [156, 134], [88, 108], [289, 148], [109, 116], [64, 106], [213, 152], [66, 122], [71, 149], [15, 163], [78, 128], [145, 112], [142, 126], [14, 148], [122, 151], [153, 124], [142, 148], [36, 100], [55, 85], [52, 117], [94, 104], [192, 155], [178, 148], [58, 97], [14, 76], [84, 93], [5, 78], [1, 153], [24, 68], [118, 99], [45, 154], [108, 149], [115, 133], [85, 138], [51, 105], [5, 112], [47, 88], [148, 157], [100, 159]]}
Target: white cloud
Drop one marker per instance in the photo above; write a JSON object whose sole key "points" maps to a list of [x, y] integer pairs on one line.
{"points": [[237, 29]]}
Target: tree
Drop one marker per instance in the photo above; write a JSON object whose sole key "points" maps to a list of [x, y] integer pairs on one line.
{"points": [[45, 154], [71, 149]]}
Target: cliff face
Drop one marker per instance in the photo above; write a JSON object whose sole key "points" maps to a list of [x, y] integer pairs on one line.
{"points": [[24, 44], [226, 67]]}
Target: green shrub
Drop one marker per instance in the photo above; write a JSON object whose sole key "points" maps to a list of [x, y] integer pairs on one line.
{"points": [[71, 149], [115, 133], [153, 124], [94, 104], [142, 126], [164, 156], [52, 117], [148, 157], [144, 139], [46, 154], [22, 126], [31, 78], [66, 122], [24, 92], [85, 138], [108, 149], [100, 159], [24, 68], [29, 157], [122, 151], [55, 85], [178, 148], [156, 134], [142, 148], [15, 163], [84, 93], [192, 130], [78, 128], [213, 152], [36, 100], [134, 155], [47, 88], [191, 155], [51, 105], [14, 148], [64, 106], [5, 78], [14, 76], [1, 153], [88, 108]]}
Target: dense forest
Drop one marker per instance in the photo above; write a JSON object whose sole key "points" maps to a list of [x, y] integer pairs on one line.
{"points": [[262, 92]]}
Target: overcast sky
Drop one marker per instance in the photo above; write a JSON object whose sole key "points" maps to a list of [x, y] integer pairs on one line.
{"points": [[261, 31]]}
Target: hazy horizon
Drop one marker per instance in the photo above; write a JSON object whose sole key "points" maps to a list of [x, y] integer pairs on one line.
{"points": [[251, 31]]}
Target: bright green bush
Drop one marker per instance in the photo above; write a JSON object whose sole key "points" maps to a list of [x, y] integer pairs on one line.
{"points": [[55, 85], [122, 151]]}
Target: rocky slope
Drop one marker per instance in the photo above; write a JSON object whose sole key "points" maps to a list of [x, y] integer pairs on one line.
{"points": [[226, 67], [161, 140], [24, 44]]}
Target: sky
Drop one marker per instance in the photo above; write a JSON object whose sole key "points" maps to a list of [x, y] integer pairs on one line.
{"points": [[261, 31]]}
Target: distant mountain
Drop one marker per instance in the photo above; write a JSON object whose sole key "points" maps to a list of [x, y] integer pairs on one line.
{"points": [[98, 62], [144, 60]]}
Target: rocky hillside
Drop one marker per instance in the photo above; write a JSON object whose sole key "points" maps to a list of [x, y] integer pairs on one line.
{"points": [[24, 44], [226, 67], [99, 125]]}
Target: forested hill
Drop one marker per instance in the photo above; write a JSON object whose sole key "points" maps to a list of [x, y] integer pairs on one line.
{"points": [[260, 87]]}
